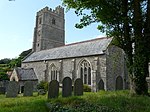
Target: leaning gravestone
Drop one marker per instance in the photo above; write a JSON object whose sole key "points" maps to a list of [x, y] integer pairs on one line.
{"points": [[28, 88], [2, 90], [78, 87], [12, 89], [53, 89], [67, 87]]}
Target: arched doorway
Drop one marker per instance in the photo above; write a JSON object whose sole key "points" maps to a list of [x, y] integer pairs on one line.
{"points": [[119, 83]]}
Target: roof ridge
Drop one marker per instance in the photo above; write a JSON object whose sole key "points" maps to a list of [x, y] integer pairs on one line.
{"points": [[85, 41]]}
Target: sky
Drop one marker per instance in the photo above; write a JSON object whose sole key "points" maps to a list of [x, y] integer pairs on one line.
{"points": [[17, 22]]}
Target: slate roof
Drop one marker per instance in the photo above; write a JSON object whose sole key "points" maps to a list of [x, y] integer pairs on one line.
{"points": [[26, 73], [85, 48]]}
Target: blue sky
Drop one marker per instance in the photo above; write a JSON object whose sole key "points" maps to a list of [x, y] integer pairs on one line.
{"points": [[17, 21]]}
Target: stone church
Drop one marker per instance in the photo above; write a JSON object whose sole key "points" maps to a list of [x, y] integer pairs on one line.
{"points": [[100, 64]]}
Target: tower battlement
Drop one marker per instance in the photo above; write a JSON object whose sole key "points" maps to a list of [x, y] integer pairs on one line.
{"points": [[58, 10], [49, 30]]}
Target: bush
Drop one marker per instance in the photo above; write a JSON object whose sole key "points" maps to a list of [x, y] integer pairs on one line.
{"points": [[86, 88], [43, 85], [80, 107], [3, 76]]}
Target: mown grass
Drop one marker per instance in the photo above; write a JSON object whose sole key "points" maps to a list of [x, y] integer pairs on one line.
{"points": [[103, 101], [23, 104], [118, 101]]}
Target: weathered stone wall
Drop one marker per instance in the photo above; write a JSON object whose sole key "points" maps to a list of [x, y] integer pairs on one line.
{"points": [[39, 68], [21, 83], [106, 67], [66, 67], [101, 72], [115, 67], [49, 29]]}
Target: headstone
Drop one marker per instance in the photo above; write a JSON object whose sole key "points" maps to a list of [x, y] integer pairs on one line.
{"points": [[28, 88], [78, 87], [6, 84], [67, 87], [2, 90], [53, 89], [12, 89]]}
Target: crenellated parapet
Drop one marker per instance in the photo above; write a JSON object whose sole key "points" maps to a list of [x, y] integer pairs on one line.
{"points": [[58, 10]]}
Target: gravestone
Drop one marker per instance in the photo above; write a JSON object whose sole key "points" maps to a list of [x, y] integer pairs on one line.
{"points": [[6, 84], [67, 87], [78, 87], [12, 89], [53, 89], [28, 88], [2, 90]]}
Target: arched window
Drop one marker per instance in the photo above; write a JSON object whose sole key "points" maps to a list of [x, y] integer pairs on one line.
{"points": [[54, 72], [85, 72]]}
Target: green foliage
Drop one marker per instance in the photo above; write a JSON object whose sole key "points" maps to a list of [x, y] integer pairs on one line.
{"points": [[86, 88], [5, 61], [128, 22], [81, 107], [16, 62], [25, 53], [3, 76], [43, 85], [103, 101], [23, 104]]}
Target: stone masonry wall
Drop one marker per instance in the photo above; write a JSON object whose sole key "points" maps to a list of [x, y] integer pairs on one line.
{"points": [[68, 67], [39, 68], [115, 67]]}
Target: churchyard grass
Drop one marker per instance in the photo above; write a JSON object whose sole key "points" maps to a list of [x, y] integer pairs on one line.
{"points": [[103, 101], [23, 104]]}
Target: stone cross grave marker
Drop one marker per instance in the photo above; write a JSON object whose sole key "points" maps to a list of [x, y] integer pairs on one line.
{"points": [[53, 89], [66, 87], [12, 89], [28, 88], [78, 87]]}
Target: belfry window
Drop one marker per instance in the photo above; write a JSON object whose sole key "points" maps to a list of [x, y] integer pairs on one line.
{"points": [[54, 73], [85, 72], [53, 21], [40, 20]]}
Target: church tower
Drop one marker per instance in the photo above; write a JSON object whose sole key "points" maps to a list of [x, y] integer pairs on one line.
{"points": [[49, 31]]}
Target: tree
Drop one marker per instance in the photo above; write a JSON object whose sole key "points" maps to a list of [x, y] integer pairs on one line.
{"points": [[5, 61], [3, 76], [128, 21], [17, 61]]}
